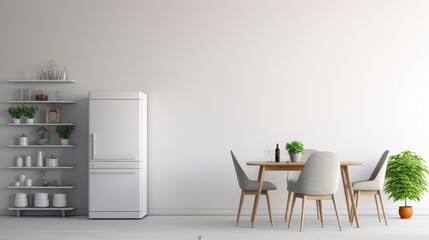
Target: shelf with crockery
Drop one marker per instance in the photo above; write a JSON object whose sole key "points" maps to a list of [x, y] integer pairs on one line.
{"points": [[31, 101]]}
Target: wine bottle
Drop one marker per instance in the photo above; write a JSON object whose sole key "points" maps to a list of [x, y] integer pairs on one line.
{"points": [[277, 153]]}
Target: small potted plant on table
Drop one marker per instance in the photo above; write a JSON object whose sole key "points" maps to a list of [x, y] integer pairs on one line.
{"points": [[406, 180], [295, 150], [29, 113], [15, 113], [64, 132]]}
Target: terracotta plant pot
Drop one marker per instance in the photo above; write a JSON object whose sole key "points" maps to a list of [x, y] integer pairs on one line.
{"points": [[405, 212]]}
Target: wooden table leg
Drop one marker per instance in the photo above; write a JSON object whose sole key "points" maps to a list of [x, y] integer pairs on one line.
{"points": [[346, 193], [258, 194], [352, 199]]}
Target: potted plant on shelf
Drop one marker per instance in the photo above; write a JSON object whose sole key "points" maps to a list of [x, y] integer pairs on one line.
{"points": [[29, 113], [295, 150], [406, 180], [64, 132], [15, 113]]}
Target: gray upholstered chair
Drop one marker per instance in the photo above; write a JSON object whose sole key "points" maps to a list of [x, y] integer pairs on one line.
{"points": [[250, 187], [373, 186], [319, 180], [293, 176]]}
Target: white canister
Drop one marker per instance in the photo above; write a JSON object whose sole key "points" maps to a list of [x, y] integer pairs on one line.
{"points": [[28, 161], [28, 182], [22, 180], [23, 140], [52, 161], [39, 162], [40, 155], [19, 161]]}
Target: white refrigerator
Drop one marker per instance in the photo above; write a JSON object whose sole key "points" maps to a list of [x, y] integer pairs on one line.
{"points": [[117, 155]]}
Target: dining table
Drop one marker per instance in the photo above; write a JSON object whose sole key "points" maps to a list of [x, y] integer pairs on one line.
{"points": [[298, 166]]}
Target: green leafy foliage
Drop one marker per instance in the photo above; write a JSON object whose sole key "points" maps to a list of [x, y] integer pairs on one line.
{"points": [[64, 131], [15, 112], [295, 147], [406, 177], [29, 112]]}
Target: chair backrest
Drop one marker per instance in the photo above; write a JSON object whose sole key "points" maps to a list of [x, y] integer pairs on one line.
{"points": [[305, 156], [320, 175], [380, 164], [241, 175], [379, 172], [307, 153]]}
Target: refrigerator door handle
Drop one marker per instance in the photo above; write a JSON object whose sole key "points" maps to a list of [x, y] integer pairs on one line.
{"points": [[93, 145]]}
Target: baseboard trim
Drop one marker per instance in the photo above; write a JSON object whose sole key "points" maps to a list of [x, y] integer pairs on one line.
{"points": [[221, 212]]}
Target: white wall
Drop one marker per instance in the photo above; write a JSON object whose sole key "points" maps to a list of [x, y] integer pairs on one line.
{"points": [[344, 76]]}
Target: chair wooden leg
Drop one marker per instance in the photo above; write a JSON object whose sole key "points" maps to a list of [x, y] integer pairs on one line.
{"points": [[240, 206], [269, 207], [302, 213], [336, 211], [291, 210], [378, 210], [382, 206], [287, 205], [357, 195], [317, 209], [322, 218]]}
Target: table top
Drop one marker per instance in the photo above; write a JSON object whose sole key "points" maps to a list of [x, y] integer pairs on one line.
{"points": [[294, 164]]}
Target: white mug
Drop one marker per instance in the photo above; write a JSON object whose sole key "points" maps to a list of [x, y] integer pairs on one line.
{"points": [[17, 184], [28, 182], [19, 161], [28, 161]]}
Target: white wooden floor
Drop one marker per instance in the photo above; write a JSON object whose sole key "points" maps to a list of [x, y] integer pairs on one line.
{"points": [[192, 227]]}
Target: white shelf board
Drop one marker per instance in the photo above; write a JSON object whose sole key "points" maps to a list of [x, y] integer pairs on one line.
{"points": [[44, 209], [41, 124], [47, 168], [43, 102], [42, 81], [41, 187], [41, 146]]}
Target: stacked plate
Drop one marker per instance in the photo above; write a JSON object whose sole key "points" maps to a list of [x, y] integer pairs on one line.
{"points": [[60, 200], [21, 200], [41, 200]]}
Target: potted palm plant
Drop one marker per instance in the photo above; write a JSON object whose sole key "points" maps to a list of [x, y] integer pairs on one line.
{"points": [[406, 180], [29, 113], [64, 132], [15, 113], [295, 150]]}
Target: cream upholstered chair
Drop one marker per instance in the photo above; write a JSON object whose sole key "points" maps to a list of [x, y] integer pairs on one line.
{"points": [[373, 186], [293, 176], [249, 187], [319, 180]]}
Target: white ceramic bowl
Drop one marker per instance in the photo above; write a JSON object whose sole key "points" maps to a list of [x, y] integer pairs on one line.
{"points": [[20, 196], [43, 196], [59, 203], [21, 203], [41, 203], [60, 196]]}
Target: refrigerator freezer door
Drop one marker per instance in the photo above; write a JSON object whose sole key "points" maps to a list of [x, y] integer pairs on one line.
{"points": [[115, 130], [115, 190]]}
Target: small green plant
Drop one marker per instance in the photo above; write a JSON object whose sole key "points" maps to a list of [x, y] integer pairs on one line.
{"points": [[15, 112], [406, 177], [295, 147], [29, 112], [64, 131]]}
